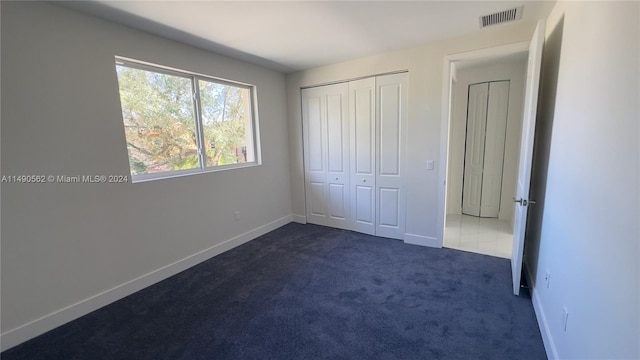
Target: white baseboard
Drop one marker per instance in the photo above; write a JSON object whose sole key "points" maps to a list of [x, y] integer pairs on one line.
{"points": [[421, 240], [300, 219], [48, 322], [543, 324]]}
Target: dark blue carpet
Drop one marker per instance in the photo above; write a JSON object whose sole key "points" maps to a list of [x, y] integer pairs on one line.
{"points": [[312, 292]]}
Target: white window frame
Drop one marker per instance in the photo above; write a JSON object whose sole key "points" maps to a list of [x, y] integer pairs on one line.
{"points": [[195, 77]]}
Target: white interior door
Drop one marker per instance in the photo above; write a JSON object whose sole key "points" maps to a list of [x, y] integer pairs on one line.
{"points": [[498, 104], [314, 134], [526, 152], [362, 131], [326, 155], [474, 148], [337, 105], [391, 128]]}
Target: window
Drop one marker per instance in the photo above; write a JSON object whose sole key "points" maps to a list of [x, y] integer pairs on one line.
{"points": [[179, 123]]}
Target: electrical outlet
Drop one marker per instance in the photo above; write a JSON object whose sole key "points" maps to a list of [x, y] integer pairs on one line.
{"points": [[547, 278], [565, 318], [236, 215]]}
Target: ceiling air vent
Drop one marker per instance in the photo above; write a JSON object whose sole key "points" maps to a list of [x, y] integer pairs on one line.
{"points": [[501, 17]]}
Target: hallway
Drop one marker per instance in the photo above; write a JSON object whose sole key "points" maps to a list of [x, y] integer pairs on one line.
{"points": [[489, 236]]}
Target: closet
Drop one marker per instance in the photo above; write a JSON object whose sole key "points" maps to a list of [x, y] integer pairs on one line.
{"points": [[354, 136], [484, 148]]}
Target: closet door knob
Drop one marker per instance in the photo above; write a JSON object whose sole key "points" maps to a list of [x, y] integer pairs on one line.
{"points": [[364, 180]]}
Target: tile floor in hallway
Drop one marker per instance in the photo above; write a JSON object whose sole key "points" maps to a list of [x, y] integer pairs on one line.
{"points": [[489, 236]]}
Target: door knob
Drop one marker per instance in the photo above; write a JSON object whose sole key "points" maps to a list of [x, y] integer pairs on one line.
{"points": [[524, 202], [336, 179], [364, 180]]}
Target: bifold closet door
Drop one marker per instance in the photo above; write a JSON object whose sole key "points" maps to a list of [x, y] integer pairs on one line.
{"points": [[391, 135], [362, 121], [495, 138], [474, 148], [354, 139], [326, 155], [484, 148]]}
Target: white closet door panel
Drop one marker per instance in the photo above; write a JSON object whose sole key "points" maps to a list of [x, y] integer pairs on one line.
{"points": [[474, 148], [390, 113], [389, 208], [314, 139], [336, 133], [337, 205], [316, 199], [315, 131], [326, 139], [473, 187], [362, 135], [337, 119], [497, 107], [391, 126], [364, 216], [364, 127]]}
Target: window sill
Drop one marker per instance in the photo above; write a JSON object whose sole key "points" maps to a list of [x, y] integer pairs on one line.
{"points": [[180, 173]]}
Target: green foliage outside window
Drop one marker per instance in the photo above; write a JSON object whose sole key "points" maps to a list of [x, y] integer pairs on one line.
{"points": [[162, 127]]}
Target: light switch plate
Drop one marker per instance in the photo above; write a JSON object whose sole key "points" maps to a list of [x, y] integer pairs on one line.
{"points": [[430, 164]]}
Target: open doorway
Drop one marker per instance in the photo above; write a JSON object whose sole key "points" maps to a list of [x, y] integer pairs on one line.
{"points": [[485, 123], [533, 49]]}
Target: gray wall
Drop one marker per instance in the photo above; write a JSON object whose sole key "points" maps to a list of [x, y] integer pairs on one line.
{"points": [[584, 230], [65, 243]]}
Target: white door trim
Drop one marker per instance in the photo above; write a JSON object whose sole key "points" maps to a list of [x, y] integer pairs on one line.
{"points": [[447, 75]]}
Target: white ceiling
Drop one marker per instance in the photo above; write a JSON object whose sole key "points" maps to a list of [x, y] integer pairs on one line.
{"points": [[294, 35]]}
